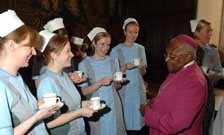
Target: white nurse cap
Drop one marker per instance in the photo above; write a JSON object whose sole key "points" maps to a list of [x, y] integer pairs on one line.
{"points": [[95, 31], [9, 22], [46, 36], [77, 40], [193, 24], [128, 20], [55, 24]]}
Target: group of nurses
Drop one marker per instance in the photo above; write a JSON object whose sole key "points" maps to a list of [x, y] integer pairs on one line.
{"points": [[19, 107]]}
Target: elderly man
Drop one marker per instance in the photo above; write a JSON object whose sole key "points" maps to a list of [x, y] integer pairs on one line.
{"points": [[180, 105]]}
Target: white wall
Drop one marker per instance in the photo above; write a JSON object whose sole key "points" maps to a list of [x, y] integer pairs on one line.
{"points": [[211, 10]]}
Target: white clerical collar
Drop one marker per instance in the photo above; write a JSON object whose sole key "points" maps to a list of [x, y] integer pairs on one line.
{"points": [[188, 64]]}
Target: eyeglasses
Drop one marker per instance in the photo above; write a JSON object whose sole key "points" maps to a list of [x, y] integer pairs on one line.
{"points": [[172, 56]]}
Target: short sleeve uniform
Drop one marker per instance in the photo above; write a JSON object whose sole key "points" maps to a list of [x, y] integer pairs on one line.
{"points": [[61, 84], [211, 58], [17, 105], [133, 94], [110, 123]]}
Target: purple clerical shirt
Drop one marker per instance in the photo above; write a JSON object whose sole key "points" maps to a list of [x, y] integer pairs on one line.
{"points": [[180, 105]]}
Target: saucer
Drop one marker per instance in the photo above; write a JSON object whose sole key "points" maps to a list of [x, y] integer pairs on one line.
{"points": [[102, 105], [117, 80], [123, 80], [59, 105], [136, 66]]}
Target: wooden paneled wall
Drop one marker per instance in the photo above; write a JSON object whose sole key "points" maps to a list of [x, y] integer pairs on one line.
{"points": [[160, 21]]}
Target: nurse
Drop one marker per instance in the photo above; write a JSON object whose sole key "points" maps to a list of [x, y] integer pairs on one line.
{"points": [[207, 53], [56, 53], [132, 94], [55, 26], [99, 69], [18, 107]]}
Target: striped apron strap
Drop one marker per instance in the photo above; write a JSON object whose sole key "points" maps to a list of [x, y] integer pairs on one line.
{"points": [[92, 79], [121, 57], [139, 53]]}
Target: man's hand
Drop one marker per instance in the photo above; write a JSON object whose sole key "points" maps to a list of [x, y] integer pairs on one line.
{"points": [[144, 107]]}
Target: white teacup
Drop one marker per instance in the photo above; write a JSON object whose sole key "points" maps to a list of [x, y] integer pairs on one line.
{"points": [[118, 76], [95, 102], [136, 62], [51, 99], [79, 73], [204, 69]]}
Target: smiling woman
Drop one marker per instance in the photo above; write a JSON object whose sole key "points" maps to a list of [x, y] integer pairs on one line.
{"points": [[100, 68], [56, 52], [22, 46], [18, 106], [101, 45], [126, 52]]}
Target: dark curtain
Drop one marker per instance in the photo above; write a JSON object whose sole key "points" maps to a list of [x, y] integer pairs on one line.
{"points": [[160, 21]]}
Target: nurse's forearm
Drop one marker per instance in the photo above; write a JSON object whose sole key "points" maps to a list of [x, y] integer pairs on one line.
{"points": [[64, 118], [90, 89], [22, 128]]}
